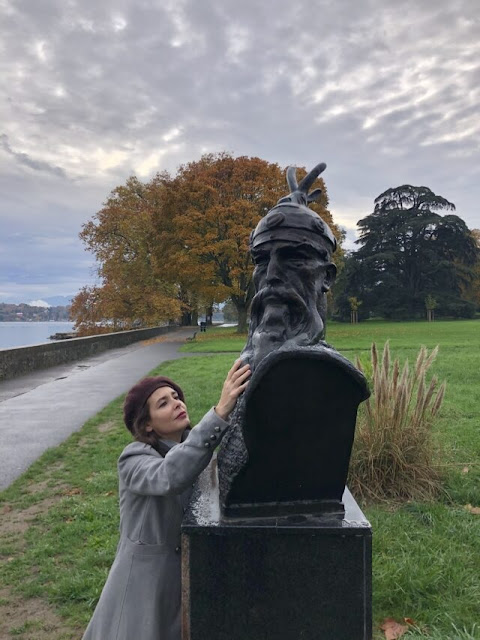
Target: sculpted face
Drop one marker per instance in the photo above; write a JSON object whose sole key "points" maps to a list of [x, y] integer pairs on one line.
{"points": [[291, 280]]}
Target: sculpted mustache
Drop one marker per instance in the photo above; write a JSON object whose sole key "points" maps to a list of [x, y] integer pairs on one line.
{"points": [[282, 295]]}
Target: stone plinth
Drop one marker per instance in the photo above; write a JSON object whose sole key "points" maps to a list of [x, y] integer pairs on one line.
{"points": [[283, 578]]}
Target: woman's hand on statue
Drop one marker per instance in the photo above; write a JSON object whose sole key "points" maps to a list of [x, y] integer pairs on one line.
{"points": [[235, 384]]}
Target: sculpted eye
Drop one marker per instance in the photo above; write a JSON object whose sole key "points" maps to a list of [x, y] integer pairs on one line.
{"points": [[296, 259], [293, 255]]}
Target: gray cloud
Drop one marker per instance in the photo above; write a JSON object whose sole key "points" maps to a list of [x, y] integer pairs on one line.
{"points": [[23, 158], [385, 92]]}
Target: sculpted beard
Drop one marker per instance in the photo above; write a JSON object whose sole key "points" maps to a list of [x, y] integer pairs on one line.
{"points": [[279, 315]]}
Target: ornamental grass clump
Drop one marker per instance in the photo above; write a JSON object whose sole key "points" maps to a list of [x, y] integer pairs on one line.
{"points": [[394, 455]]}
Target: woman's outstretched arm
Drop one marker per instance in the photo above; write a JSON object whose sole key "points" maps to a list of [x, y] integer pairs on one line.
{"points": [[143, 471]]}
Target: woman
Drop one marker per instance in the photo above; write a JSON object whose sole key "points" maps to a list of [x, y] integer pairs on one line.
{"points": [[141, 598]]}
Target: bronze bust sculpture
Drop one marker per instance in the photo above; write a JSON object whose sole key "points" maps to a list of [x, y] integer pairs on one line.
{"points": [[289, 549], [291, 248], [289, 446]]}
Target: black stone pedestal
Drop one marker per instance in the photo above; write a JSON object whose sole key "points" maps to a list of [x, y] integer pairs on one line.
{"points": [[284, 578]]}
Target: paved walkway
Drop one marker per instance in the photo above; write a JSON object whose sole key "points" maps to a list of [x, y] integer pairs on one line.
{"points": [[42, 409]]}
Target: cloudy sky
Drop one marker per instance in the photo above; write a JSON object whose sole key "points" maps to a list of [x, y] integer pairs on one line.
{"points": [[386, 92]]}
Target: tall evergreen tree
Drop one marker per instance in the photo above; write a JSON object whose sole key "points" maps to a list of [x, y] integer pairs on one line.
{"points": [[409, 251]]}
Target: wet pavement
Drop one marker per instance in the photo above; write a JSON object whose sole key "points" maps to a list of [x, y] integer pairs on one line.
{"points": [[42, 409]]}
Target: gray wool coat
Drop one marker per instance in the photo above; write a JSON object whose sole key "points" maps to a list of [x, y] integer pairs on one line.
{"points": [[142, 596]]}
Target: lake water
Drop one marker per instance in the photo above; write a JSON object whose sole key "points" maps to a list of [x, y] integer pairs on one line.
{"points": [[22, 334]]}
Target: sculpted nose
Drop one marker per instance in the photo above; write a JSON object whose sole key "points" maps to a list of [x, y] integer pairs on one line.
{"points": [[273, 271]]}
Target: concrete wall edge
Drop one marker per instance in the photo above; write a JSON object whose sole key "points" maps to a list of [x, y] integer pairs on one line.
{"points": [[21, 360]]}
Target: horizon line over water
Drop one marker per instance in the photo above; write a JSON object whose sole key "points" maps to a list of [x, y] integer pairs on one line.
{"points": [[26, 334]]}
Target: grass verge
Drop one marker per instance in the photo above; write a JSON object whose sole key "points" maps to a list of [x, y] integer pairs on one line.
{"points": [[216, 340]]}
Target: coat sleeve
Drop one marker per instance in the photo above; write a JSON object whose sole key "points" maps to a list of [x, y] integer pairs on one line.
{"points": [[153, 475]]}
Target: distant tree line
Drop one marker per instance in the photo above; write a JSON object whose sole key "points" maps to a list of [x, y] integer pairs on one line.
{"points": [[411, 262], [172, 247], [27, 313]]}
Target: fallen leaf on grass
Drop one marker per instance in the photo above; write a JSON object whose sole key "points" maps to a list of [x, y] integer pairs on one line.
{"points": [[393, 629], [465, 469], [108, 493], [474, 510], [72, 492]]}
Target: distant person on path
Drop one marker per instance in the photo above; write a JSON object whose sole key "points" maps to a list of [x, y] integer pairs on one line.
{"points": [[142, 596]]}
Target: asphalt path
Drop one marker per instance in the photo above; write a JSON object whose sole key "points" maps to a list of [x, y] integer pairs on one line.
{"points": [[42, 409]]}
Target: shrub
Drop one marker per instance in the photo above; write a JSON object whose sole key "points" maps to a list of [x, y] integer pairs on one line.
{"points": [[394, 453], [455, 308]]}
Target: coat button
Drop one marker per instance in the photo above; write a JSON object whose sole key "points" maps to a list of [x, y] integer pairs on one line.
{"points": [[213, 437], [207, 444], [177, 549], [217, 429]]}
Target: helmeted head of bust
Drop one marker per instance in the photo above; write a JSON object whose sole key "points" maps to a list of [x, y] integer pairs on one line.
{"points": [[291, 248]]}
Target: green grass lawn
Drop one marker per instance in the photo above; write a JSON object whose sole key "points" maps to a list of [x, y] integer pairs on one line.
{"points": [[458, 362], [215, 340], [347, 337], [62, 514]]}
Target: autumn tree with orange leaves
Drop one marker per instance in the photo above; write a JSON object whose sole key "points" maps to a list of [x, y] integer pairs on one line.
{"points": [[123, 238], [214, 204], [174, 244]]}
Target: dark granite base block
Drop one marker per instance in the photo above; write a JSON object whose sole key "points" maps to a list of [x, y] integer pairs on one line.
{"points": [[286, 579]]}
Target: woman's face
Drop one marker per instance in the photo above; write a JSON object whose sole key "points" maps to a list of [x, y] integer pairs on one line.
{"points": [[168, 414]]}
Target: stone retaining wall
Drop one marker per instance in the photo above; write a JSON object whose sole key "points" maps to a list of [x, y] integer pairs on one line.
{"points": [[20, 360]]}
